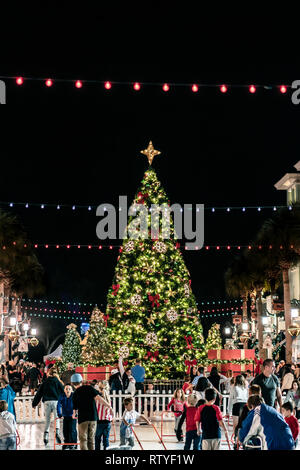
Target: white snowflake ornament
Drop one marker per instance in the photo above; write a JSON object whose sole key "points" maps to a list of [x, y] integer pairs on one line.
{"points": [[151, 339], [136, 299], [172, 315]]}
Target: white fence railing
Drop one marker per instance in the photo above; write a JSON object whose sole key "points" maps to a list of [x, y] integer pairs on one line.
{"points": [[150, 405]]}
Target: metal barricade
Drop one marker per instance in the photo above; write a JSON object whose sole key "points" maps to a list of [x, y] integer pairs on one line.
{"points": [[65, 443], [159, 437]]}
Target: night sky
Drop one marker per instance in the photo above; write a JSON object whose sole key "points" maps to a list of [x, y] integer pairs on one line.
{"points": [[82, 147]]}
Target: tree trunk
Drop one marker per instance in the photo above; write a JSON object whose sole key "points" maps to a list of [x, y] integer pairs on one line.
{"points": [[245, 315], [259, 324], [287, 315]]}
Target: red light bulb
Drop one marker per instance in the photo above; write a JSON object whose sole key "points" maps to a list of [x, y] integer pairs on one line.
{"points": [[48, 82], [223, 88], [252, 89], [137, 86], [78, 84], [19, 81], [195, 88], [166, 87], [107, 85], [283, 89]]}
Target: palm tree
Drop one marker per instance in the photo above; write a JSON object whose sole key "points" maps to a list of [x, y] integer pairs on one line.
{"points": [[27, 276], [259, 269], [282, 232], [238, 283]]}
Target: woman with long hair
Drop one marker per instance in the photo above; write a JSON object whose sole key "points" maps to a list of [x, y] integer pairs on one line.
{"points": [[200, 388], [293, 395], [215, 378], [287, 378], [238, 397]]}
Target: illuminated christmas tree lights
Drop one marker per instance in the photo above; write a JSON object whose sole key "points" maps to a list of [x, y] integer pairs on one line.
{"points": [[150, 307]]}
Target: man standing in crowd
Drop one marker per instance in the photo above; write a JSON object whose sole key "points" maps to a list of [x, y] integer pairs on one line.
{"points": [[138, 372], [67, 374], [84, 404], [269, 384]]}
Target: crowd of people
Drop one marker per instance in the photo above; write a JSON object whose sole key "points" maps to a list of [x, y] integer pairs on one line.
{"points": [[264, 407]]}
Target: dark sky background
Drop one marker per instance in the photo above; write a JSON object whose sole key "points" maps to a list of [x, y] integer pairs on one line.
{"points": [[82, 146]]}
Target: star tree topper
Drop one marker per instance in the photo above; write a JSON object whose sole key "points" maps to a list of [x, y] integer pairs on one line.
{"points": [[150, 152]]}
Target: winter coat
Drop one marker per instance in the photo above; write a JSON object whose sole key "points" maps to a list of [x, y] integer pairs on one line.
{"points": [[50, 390]]}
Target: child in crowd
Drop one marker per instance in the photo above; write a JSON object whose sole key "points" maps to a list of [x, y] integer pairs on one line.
{"points": [[265, 422], [105, 417], [189, 414], [210, 417], [178, 402], [8, 430], [128, 419], [65, 411], [291, 420]]}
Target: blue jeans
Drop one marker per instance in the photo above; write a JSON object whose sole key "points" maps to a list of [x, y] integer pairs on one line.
{"points": [[192, 436], [102, 432], [123, 437], [8, 443]]}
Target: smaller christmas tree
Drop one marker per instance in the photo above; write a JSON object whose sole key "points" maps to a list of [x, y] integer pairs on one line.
{"points": [[214, 339], [71, 349], [96, 350]]}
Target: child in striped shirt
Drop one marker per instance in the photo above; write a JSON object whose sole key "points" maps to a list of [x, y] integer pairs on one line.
{"points": [[105, 417]]}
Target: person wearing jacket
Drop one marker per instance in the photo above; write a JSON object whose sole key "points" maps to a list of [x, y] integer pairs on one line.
{"points": [[7, 394], [265, 422], [65, 410], [8, 430], [49, 392]]}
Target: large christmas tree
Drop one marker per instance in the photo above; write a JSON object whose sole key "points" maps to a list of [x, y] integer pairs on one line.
{"points": [[151, 310]]}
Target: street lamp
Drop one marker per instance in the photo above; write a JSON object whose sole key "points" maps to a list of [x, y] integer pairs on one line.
{"points": [[33, 331], [245, 326], [265, 320], [25, 326], [294, 312], [13, 321]]}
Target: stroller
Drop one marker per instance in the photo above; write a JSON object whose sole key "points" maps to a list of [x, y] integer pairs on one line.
{"points": [[253, 443]]}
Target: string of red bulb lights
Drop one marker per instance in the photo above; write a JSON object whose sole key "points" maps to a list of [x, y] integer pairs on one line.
{"points": [[111, 247], [137, 86]]}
